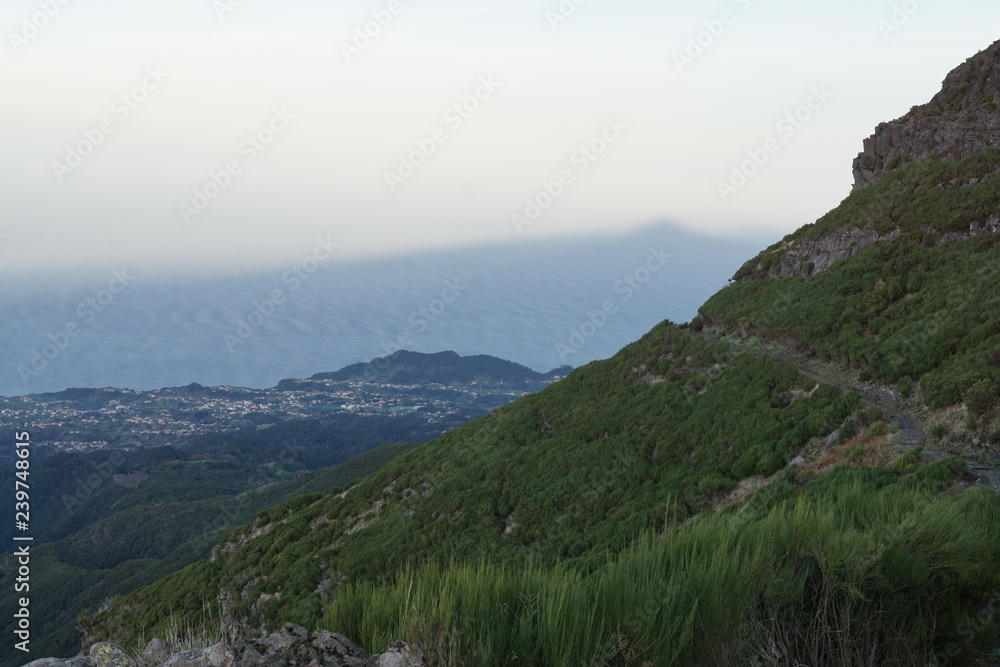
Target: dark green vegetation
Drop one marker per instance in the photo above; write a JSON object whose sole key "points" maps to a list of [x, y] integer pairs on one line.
{"points": [[929, 195], [619, 449], [859, 567], [917, 308], [74, 491], [135, 546]]}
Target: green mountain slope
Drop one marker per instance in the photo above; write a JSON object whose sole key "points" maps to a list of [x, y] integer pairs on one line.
{"points": [[580, 470], [919, 310]]}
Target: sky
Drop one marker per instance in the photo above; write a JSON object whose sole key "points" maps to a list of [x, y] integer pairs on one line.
{"points": [[207, 135]]}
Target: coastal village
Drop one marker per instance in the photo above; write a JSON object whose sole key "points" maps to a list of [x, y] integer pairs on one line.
{"points": [[80, 420]]}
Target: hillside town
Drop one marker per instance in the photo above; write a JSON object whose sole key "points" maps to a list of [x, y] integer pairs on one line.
{"points": [[79, 420]]}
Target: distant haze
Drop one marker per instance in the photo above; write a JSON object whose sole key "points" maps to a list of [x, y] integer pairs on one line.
{"points": [[217, 135], [542, 304]]}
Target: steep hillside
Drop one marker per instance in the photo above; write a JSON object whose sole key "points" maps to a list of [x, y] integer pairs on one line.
{"points": [[898, 282], [910, 311], [632, 444], [931, 201]]}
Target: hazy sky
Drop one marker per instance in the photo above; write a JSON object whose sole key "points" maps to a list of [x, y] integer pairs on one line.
{"points": [[116, 114]]}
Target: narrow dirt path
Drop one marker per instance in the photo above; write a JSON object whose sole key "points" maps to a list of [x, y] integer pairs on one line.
{"points": [[910, 421]]}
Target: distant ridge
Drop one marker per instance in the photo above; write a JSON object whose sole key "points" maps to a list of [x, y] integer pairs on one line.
{"points": [[402, 367], [405, 367]]}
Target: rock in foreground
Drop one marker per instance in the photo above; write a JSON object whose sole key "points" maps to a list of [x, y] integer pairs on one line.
{"points": [[292, 646]]}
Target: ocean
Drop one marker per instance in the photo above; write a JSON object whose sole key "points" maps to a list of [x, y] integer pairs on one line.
{"points": [[541, 303]]}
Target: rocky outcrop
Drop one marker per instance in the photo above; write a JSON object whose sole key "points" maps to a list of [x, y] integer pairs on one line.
{"points": [[103, 654], [292, 646], [796, 258], [217, 655], [803, 258], [961, 120]]}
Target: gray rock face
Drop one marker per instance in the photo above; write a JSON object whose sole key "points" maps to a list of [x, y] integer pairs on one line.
{"points": [[78, 661], [399, 654], [157, 652], [961, 120], [806, 258], [292, 646], [802, 259], [219, 655]]}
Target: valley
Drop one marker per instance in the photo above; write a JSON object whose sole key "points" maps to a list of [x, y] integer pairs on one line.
{"points": [[128, 486]]}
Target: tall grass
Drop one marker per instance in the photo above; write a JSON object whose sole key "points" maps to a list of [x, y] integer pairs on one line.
{"points": [[183, 635], [855, 575]]}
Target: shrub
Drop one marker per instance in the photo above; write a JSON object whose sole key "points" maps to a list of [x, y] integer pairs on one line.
{"points": [[981, 397]]}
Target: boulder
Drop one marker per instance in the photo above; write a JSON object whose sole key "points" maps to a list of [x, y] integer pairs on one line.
{"points": [[293, 646], [218, 655], [107, 654], [157, 652], [399, 654]]}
